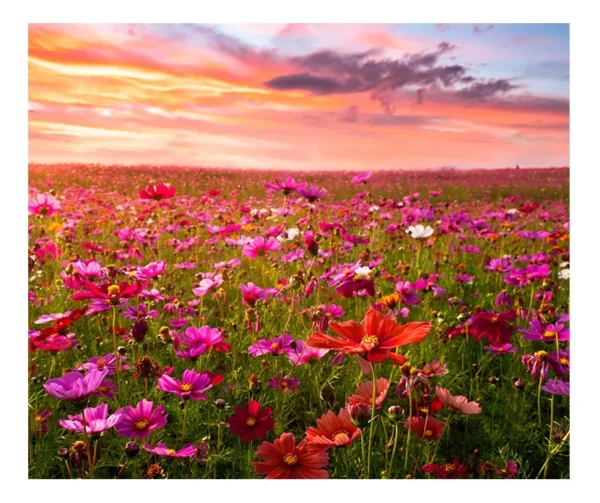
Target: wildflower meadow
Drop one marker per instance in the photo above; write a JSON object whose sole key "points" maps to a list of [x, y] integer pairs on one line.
{"points": [[212, 324]]}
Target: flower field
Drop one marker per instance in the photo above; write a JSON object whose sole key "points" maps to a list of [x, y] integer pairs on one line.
{"points": [[196, 323]]}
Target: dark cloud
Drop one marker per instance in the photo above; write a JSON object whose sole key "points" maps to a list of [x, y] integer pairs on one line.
{"points": [[307, 82], [421, 95], [485, 90], [479, 30]]}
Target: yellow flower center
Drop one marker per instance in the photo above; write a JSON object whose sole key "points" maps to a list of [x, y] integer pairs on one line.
{"points": [[541, 356], [564, 361], [141, 424], [449, 468], [171, 452], [290, 459], [186, 388], [370, 339], [113, 290], [550, 334], [101, 363], [251, 421], [428, 433], [339, 434], [275, 346]]}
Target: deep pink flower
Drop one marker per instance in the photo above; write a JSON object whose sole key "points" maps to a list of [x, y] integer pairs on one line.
{"points": [[141, 421], [251, 422], [259, 247], [192, 386], [161, 449]]}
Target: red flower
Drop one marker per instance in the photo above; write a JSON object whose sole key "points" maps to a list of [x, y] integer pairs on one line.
{"points": [[449, 471], [333, 430], [377, 337], [494, 326], [364, 393], [113, 294], [283, 459], [251, 422], [427, 428], [158, 192]]}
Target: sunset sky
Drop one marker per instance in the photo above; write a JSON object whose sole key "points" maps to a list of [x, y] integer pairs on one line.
{"points": [[299, 96]]}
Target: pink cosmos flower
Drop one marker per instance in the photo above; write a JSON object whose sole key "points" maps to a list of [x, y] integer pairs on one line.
{"points": [[43, 204], [362, 178], [285, 186], [161, 449], [458, 403], [259, 246], [75, 386], [108, 362], [209, 281], [303, 354], [152, 270], [192, 386], [96, 420], [251, 294], [312, 193], [141, 421]]}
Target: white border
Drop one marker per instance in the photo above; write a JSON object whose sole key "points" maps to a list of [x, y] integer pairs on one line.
{"points": [[584, 273]]}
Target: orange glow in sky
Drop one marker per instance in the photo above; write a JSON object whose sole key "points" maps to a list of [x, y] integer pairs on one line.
{"points": [[300, 96]]}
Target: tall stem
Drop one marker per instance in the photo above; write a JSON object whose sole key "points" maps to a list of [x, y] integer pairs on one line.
{"points": [[372, 425]]}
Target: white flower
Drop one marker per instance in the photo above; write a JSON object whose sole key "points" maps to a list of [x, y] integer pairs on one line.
{"points": [[363, 271], [420, 232], [288, 235], [513, 211], [374, 208], [564, 274], [562, 265]]}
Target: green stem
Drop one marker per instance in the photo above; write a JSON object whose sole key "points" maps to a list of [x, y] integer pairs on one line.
{"points": [[372, 425]]}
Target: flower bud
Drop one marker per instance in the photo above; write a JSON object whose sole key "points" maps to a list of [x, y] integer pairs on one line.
{"points": [[220, 403], [139, 330], [395, 412], [132, 448]]}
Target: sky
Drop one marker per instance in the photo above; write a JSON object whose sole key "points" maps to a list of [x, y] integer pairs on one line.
{"points": [[300, 96]]}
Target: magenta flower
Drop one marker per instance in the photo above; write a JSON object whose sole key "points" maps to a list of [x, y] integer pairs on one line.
{"points": [[278, 345], [152, 270], [96, 420], [284, 384], [141, 421], [75, 386], [192, 386], [556, 387], [312, 193], [560, 362], [537, 363], [285, 186], [108, 361], [302, 354], [533, 234], [503, 299], [251, 294], [43, 204], [362, 178], [408, 295], [259, 247], [501, 349], [522, 277], [548, 333], [503, 264], [161, 449]]}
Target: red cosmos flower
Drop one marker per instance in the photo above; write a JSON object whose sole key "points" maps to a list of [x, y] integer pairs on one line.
{"points": [[493, 325], [158, 192], [333, 430], [427, 428], [283, 459], [251, 422], [364, 393], [55, 338], [377, 337], [452, 470]]}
